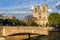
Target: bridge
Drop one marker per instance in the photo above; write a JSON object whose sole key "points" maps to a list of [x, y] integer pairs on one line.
{"points": [[13, 30]]}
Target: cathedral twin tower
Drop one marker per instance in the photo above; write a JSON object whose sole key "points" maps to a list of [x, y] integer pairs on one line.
{"points": [[41, 14]]}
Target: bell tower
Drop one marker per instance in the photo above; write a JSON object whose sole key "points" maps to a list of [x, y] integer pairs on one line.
{"points": [[44, 12], [45, 8], [36, 13], [41, 14]]}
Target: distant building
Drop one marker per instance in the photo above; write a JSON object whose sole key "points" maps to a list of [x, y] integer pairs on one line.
{"points": [[7, 17], [41, 14]]}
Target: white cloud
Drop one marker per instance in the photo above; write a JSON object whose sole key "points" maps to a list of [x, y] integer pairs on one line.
{"points": [[16, 12], [1, 12], [17, 9], [14, 7], [32, 7], [49, 0], [50, 10], [57, 5]]}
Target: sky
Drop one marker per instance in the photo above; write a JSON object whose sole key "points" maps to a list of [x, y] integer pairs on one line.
{"points": [[21, 8]]}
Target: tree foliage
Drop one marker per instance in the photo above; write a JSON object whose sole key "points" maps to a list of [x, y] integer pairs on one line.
{"points": [[16, 22], [54, 19]]}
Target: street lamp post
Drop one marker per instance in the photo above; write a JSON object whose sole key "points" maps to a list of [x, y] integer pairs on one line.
{"points": [[29, 36]]}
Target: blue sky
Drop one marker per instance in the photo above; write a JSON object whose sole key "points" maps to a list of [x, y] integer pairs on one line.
{"points": [[19, 7]]}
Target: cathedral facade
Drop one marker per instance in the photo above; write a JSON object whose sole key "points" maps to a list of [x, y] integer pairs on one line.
{"points": [[41, 14]]}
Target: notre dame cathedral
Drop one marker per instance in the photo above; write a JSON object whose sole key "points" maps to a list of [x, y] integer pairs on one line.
{"points": [[41, 14]]}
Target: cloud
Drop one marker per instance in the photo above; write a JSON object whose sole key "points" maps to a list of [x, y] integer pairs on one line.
{"points": [[51, 0], [17, 9], [50, 10], [17, 12], [1, 12], [57, 6], [48, 0], [32, 7]]}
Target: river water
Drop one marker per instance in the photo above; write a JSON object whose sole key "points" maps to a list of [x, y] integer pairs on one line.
{"points": [[53, 35]]}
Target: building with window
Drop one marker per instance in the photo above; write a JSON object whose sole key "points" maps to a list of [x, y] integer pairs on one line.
{"points": [[41, 14], [7, 17]]}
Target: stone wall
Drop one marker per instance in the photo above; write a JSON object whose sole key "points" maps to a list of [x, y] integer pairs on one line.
{"points": [[34, 30], [5, 31], [1, 31]]}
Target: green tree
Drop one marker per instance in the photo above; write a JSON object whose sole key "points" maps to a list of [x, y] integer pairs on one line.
{"points": [[29, 17], [54, 19], [33, 23]]}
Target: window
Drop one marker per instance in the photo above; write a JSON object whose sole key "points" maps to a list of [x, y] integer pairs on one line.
{"points": [[39, 17], [44, 18], [39, 13], [35, 9], [43, 8]]}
